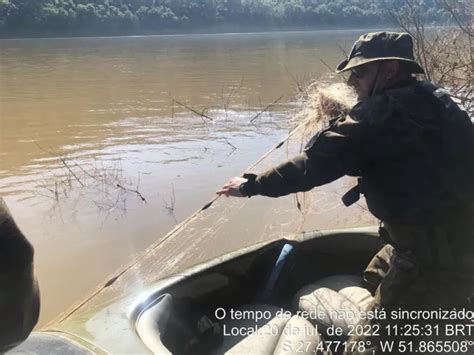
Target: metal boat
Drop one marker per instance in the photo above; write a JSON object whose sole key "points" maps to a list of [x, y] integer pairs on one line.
{"points": [[240, 302]]}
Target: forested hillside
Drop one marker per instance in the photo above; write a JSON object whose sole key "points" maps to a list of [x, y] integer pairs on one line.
{"points": [[106, 17]]}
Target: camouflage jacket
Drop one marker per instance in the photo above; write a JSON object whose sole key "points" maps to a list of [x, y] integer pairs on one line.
{"points": [[19, 297], [412, 146]]}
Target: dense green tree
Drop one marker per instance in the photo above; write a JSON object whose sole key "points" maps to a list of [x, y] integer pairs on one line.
{"points": [[59, 17], [8, 10]]}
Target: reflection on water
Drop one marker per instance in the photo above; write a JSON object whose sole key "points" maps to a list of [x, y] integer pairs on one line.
{"points": [[114, 108]]}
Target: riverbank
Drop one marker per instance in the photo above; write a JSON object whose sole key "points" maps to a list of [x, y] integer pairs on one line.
{"points": [[216, 30]]}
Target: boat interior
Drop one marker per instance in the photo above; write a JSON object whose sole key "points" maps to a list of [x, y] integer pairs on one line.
{"points": [[280, 298]]}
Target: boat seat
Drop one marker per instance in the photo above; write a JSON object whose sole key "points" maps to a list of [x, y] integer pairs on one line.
{"points": [[277, 334], [334, 301]]}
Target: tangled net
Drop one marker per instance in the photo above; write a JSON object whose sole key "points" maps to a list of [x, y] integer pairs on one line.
{"points": [[321, 102]]}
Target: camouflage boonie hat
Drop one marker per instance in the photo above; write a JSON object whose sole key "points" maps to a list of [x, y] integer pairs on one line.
{"points": [[376, 46]]}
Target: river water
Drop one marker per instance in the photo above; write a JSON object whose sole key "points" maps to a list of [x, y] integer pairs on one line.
{"points": [[107, 143]]}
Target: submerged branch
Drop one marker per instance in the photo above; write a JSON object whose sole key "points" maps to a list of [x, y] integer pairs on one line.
{"points": [[132, 191], [95, 180], [196, 112], [63, 160], [229, 143], [265, 109]]}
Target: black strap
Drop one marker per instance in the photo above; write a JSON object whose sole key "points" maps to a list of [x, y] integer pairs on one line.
{"points": [[248, 188], [351, 196]]}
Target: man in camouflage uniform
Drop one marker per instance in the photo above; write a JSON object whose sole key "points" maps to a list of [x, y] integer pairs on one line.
{"points": [[19, 297], [412, 148]]}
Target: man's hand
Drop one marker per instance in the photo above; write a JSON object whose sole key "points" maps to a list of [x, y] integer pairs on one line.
{"points": [[231, 188]]}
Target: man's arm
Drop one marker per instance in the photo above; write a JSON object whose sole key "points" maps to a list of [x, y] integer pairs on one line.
{"points": [[299, 174], [340, 149], [19, 294]]}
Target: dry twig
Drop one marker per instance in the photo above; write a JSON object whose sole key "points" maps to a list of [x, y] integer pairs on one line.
{"points": [[229, 143], [98, 181], [446, 54], [132, 191], [170, 206], [201, 114], [265, 109]]}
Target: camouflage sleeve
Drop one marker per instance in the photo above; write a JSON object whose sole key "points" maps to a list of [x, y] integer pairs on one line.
{"points": [[343, 148], [358, 139], [295, 175], [19, 296]]}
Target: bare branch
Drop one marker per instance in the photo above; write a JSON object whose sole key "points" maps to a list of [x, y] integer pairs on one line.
{"points": [[326, 65], [201, 114], [454, 8], [265, 109], [132, 191], [296, 81], [170, 207], [229, 143]]}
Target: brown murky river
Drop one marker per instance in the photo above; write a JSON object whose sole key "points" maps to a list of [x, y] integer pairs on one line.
{"points": [[101, 153]]}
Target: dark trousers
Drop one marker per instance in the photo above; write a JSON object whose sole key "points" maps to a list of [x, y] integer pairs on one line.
{"points": [[403, 283]]}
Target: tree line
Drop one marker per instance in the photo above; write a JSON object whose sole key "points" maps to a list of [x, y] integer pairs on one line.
{"points": [[121, 17]]}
